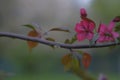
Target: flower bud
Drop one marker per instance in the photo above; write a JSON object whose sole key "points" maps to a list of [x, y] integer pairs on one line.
{"points": [[83, 12], [116, 19]]}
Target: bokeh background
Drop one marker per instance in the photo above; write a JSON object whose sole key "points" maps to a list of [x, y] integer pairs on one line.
{"points": [[44, 63]]}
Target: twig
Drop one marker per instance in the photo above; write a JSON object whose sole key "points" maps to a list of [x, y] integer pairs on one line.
{"points": [[50, 43]]}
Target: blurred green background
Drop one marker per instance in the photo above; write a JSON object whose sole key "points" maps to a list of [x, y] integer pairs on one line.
{"points": [[44, 63]]}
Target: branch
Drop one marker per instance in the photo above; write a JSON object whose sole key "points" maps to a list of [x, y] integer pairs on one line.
{"points": [[50, 43]]}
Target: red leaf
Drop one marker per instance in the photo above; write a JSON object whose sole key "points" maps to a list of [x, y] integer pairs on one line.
{"points": [[66, 59], [32, 44], [67, 62], [86, 60]]}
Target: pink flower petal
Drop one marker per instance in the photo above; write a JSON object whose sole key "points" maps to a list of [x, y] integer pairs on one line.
{"points": [[85, 28], [107, 38], [79, 28], [88, 25], [115, 34], [111, 26], [81, 36], [84, 24], [106, 33], [101, 39], [91, 26], [89, 36], [111, 39], [102, 28]]}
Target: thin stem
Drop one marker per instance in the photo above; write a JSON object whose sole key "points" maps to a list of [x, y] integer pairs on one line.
{"points": [[50, 43]]}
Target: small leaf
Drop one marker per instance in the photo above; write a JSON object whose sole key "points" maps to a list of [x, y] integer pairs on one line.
{"points": [[117, 28], [64, 29], [80, 52], [74, 38], [37, 26], [66, 61], [32, 44], [75, 63], [30, 26], [50, 39], [86, 60], [67, 67], [67, 41]]}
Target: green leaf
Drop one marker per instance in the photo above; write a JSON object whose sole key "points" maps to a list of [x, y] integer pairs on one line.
{"points": [[75, 63], [50, 39], [64, 29], [67, 41], [67, 61], [30, 26], [73, 39], [117, 28], [80, 52]]}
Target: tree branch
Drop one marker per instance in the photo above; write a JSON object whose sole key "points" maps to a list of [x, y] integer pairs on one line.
{"points": [[50, 43]]}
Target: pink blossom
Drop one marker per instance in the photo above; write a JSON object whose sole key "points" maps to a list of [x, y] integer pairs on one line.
{"points": [[106, 33], [85, 27], [84, 30]]}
